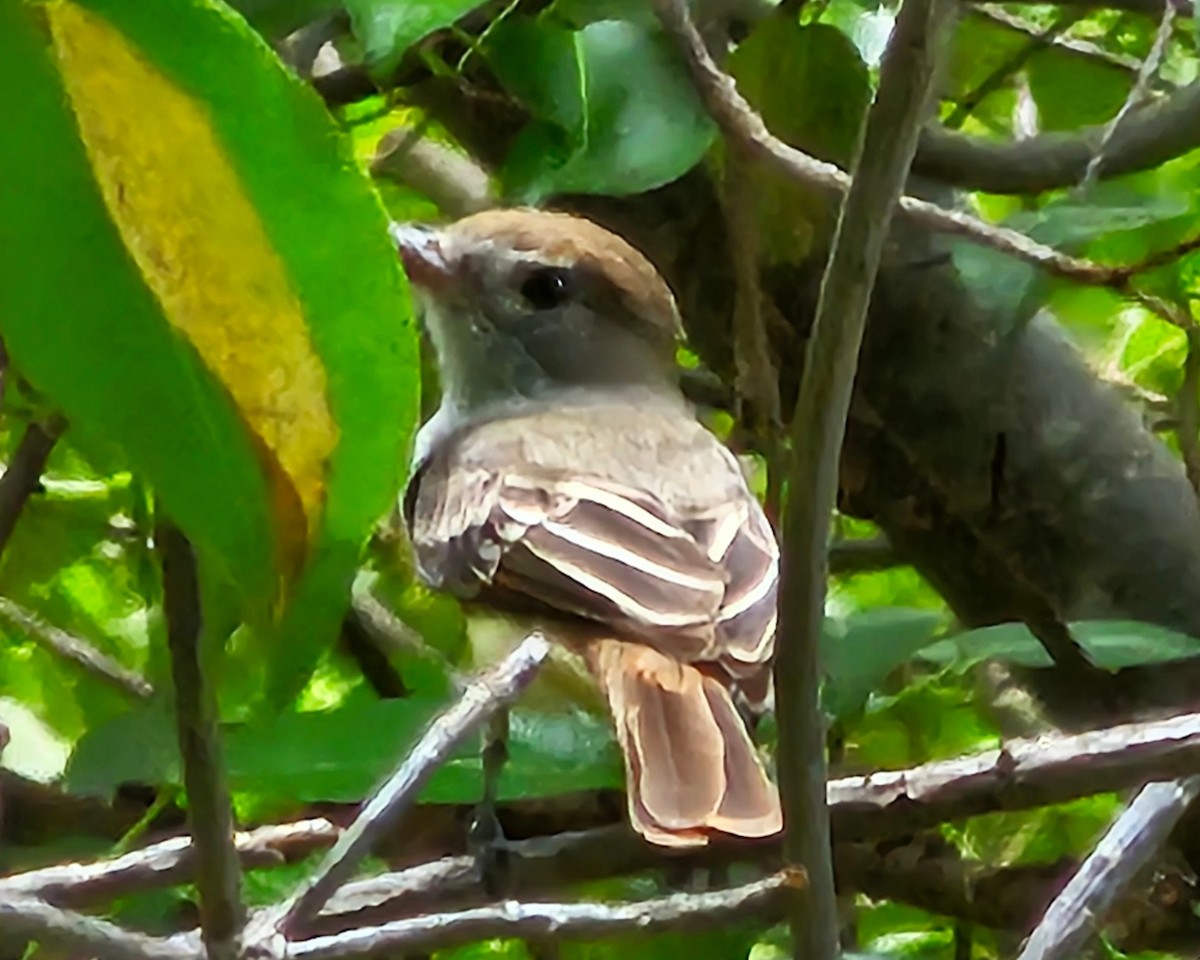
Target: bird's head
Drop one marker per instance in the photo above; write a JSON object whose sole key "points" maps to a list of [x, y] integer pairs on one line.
{"points": [[523, 303]]}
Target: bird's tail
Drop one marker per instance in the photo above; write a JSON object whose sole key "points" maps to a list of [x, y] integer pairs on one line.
{"points": [[691, 768]]}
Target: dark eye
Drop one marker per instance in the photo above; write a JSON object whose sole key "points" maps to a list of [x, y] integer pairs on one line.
{"points": [[546, 288]]}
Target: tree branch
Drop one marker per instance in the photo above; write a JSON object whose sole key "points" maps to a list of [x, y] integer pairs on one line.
{"points": [[740, 123], [1136, 836], [162, 864], [1137, 94], [478, 702], [24, 473], [558, 920], [35, 919], [817, 429], [77, 650], [210, 817], [1049, 161]]}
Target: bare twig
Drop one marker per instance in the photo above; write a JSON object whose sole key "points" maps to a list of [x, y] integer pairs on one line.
{"points": [[24, 473], [35, 919], [740, 123], [819, 423], [478, 702], [77, 650], [210, 817], [1137, 94], [393, 635], [162, 864], [1135, 837], [559, 920]]}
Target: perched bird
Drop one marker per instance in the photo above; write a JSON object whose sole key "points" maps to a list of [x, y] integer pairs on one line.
{"points": [[565, 481]]}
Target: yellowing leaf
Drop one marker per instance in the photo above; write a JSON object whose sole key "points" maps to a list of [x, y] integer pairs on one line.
{"points": [[203, 251]]}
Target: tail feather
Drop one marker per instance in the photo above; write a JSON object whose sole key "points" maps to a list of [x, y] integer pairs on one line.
{"points": [[690, 765]]}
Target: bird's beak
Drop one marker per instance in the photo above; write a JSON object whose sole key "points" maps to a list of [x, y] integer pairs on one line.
{"points": [[421, 252]]}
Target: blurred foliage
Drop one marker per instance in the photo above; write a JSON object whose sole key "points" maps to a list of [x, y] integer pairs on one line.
{"points": [[164, 422]]}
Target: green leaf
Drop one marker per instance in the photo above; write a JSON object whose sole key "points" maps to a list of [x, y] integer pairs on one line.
{"points": [[1073, 91], [931, 718], [616, 111], [779, 68], [387, 28], [249, 388], [860, 651], [1112, 645], [1115, 220], [275, 19], [325, 756]]}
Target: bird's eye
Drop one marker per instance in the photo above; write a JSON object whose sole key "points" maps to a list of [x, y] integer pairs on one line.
{"points": [[547, 288]]}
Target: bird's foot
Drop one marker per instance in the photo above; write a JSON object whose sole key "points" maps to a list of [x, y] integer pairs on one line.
{"points": [[485, 838]]}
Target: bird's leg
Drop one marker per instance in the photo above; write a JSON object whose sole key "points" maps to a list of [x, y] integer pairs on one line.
{"points": [[486, 836]]}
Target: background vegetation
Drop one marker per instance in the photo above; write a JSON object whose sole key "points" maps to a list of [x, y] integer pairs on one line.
{"points": [[206, 331]]}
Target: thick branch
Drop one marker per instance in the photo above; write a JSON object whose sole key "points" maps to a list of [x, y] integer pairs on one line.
{"points": [[1146, 139]]}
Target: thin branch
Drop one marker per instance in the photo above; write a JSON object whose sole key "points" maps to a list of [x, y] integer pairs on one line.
{"points": [[1137, 94], [1026, 774], [162, 864], [762, 899], [210, 817], [818, 426], [23, 476], [393, 635], [34, 919], [77, 650], [740, 123], [478, 702], [1133, 839]]}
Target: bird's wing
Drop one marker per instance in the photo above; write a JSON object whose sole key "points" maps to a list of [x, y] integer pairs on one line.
{"points": [[584, 546]]}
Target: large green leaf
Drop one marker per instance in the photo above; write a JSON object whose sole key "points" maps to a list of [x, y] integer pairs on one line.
{"points": [[812, 89], [1111, 645], [616, 112], [195, 270], [329, 756], [859, 652], [387, 28]]}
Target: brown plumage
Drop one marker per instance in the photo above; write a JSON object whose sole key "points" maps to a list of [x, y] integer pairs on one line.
{"points": [[612, 519]]}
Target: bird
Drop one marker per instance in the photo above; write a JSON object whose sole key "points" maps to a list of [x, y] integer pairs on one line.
{"points": [[565, 484]]}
